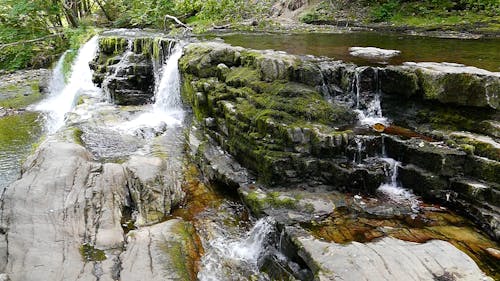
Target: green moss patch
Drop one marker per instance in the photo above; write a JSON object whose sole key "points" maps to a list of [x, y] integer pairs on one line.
{"points": [[90, 253]]}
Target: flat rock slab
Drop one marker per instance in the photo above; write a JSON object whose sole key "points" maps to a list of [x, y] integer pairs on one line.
{"points": [[388, 259]]}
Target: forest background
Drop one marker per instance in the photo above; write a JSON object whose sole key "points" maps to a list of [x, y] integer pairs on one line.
{"points": [[35, 32]]}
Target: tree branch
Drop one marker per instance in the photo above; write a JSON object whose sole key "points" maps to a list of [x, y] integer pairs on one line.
{"points": [[29, 41], [176, 20]]}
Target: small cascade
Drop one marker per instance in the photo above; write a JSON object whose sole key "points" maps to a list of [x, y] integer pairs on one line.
{"points": [[236, 258], [167, 109], [371, 111], [118, 68], [167, 95], [393, 190], [360, 148], [63, 99], [357, 83]]}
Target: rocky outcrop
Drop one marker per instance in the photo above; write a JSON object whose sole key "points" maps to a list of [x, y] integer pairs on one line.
{"points": [[125, 67], [267, 119], [66, 218], [322, 230], [292, 121], [261, 108]]}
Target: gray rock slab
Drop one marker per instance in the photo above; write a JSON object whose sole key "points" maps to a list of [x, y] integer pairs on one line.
{"points": [[388, 259]]}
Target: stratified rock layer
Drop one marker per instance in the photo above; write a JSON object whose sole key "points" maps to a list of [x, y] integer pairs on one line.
{"points": [[292, 122], [282, 117]]}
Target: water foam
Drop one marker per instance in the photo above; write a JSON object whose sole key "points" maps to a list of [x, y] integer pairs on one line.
{"points": [[394, 191], [226, 256]]}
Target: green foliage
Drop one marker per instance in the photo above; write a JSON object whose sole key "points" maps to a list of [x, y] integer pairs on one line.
{"points": [[144, 13], [384, 11], [309, 17], [435, 13]]}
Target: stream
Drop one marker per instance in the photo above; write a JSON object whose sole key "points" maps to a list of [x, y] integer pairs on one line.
{"points": [[482, 53], [237, 245]]}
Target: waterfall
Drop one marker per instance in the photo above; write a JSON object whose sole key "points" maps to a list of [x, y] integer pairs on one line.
{"points": [[62, 99], [393, 190], [57, 81], [167, 96], [371, 113], [167, 108], [236, 258]]}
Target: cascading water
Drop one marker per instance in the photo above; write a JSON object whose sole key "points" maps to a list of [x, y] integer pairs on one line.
{"points": [[62, 99], [394, 191], [372, 112], [167, 96], [236, 258], [57, 81], [167, 108]]}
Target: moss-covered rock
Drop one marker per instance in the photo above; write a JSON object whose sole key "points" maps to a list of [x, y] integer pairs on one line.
{"points": [[255, 110], [399, 81], [291, 120], [458, 84]]}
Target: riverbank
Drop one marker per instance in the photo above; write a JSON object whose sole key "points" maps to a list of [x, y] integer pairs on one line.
{"points": [[445, 20]]}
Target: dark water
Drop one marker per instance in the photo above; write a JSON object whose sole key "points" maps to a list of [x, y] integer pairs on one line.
{"points": [[17, 135], [482, 53]]}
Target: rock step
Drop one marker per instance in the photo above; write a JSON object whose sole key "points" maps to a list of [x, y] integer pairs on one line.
{"points": [[480, 145], [434, 157], [131, 97], [476, 190]]}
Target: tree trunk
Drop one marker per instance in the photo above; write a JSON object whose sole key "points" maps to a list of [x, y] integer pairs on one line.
{"points": [[70, 14], [106, 14]]}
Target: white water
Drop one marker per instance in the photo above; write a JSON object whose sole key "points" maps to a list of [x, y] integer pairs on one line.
{"points": [[62, 97], [394, 191], [235, 258], [57, 81], [167, 108], [372, 114]]}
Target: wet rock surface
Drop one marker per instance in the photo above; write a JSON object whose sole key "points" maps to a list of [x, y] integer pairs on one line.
{"points": [[67, 217], [385, 259], [290, 164], [124, 67]]}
